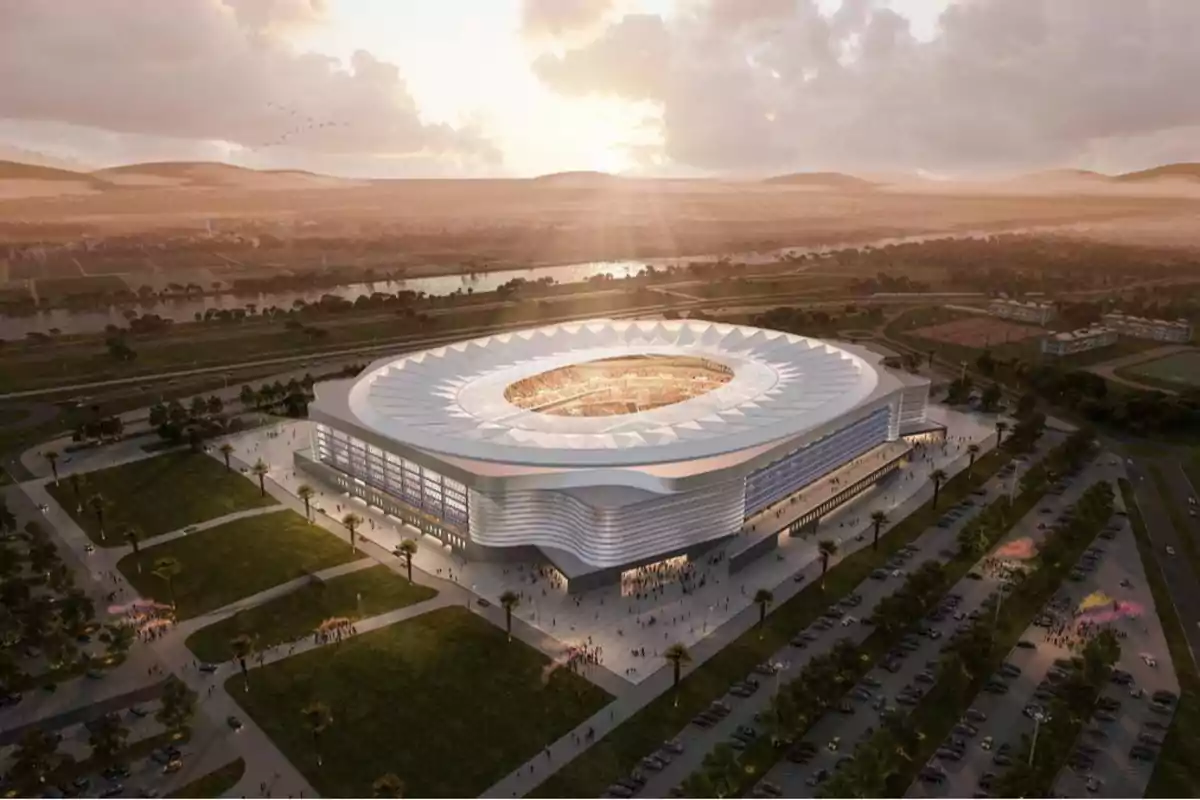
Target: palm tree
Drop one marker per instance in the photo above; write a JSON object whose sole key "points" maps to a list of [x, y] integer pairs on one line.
{"points": [[241, 646], [509, 600], [878, 519], [317, 718], [937, 476], [677, 655], [167, 569], [972, 452], [763, 598], [1001, 427], [52, 457], [134, 537], [260, 469], [226, 451], [107, 737], [406, 550], [76, 484], [828, 549], [97, 502], [388, 785], [305, 493], [351, 521]]}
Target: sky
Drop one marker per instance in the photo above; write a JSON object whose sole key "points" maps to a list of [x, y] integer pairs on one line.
{"points": [[482, 88]]}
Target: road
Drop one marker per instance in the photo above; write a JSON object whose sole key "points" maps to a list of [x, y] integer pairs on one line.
{"points": [[697, 742], [1177, 573]]}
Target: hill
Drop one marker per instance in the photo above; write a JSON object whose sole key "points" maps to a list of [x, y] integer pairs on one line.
{"points": [[820, 180], [1055, 175], [1167, 172], [211, 174], [578, 178], [16, 171]]}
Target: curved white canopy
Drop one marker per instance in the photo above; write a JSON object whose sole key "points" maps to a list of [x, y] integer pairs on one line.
{"points": [[450, 400]]}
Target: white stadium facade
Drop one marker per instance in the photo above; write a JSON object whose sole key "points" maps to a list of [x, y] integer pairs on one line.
{"points": [[603, 446]]}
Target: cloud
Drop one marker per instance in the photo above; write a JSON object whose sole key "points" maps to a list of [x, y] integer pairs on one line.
{"points": [[764, 85], [210, 70], [561, 18]]}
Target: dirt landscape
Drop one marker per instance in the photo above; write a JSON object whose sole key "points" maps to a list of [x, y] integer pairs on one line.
{"points": [[60, 224]]}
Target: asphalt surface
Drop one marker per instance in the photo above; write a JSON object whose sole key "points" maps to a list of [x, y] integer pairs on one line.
{"points": [[1181, 580], [697, 741], [794, 779]]}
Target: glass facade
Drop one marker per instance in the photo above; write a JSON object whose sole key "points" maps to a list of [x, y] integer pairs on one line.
{"points": [[417, 486], [772, 483]]}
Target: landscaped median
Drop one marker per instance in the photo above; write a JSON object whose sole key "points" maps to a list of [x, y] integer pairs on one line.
{"points": [[1177, 771], [619, 752], [215, 783], [444, 701], [886, 770], [214, 567], [352, 597], [154, 496]]}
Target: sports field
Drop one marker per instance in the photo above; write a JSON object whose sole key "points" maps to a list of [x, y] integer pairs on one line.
{"points": [[1182, 369], [978, 332]]}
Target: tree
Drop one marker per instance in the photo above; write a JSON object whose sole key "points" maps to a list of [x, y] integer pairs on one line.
{"points": [[352, 521], [107, 736], [35, 758], [827, 548], [406, 550], [763, 599], [317, 718], [134, 537], [509, 600], [178, 703], [97, 503], [972, 452], [52, 457], [76, 484], [241, 646], [167, 569], [8, 520], [305, 493], [120, 638], [1001, 427], [260, 470], [991, 397], [677, 655], [878, 519], [388, 785], [226, 451], [937, 476]]}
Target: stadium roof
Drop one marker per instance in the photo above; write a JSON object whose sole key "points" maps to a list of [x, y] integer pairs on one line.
{"points": [[451, 400]]}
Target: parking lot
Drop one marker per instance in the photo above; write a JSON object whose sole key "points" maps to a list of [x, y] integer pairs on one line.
{"points": [[697, 740], [902, 679]]}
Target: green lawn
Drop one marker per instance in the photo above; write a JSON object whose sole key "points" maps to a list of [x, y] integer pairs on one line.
{"points": [[215, 783], [444, 701], [235, 560], [616, 754], [1177, 771], [157, 495], [360, 594], [1180, 371]]}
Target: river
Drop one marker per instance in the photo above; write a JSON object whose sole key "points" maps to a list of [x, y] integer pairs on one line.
{"points": [[67, 321]]}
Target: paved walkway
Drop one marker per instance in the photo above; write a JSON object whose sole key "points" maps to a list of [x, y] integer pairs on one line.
{"points": [[163, 538], [1108, 370]]}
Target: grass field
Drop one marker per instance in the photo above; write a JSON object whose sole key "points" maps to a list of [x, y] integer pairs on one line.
{"points": [[444, 701], [157, 495], [616, 754], [366, 593], [1177, 771], [235, 560], [215, 783], [1178, 371]]}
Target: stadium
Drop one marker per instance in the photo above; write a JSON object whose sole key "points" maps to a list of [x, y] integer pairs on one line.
{"points": [[606, 447]]}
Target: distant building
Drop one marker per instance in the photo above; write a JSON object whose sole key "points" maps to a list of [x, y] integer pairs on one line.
{"points": [[1077, 341], [1142, 328], [1037, 313]]}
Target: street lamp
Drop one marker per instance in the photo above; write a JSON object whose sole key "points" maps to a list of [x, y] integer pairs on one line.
{"points": [[1038, 718]]}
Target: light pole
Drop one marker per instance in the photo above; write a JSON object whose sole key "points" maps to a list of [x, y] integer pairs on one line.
{"points": [[780, 666], [1038, 718]]}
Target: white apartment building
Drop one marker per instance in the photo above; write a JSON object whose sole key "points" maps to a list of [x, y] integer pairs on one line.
{"points": [[1161, 330], [1077, 341], [1021, 311]]}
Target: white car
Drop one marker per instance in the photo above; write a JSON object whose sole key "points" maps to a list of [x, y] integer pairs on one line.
{"points": [[1170, 550]]}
